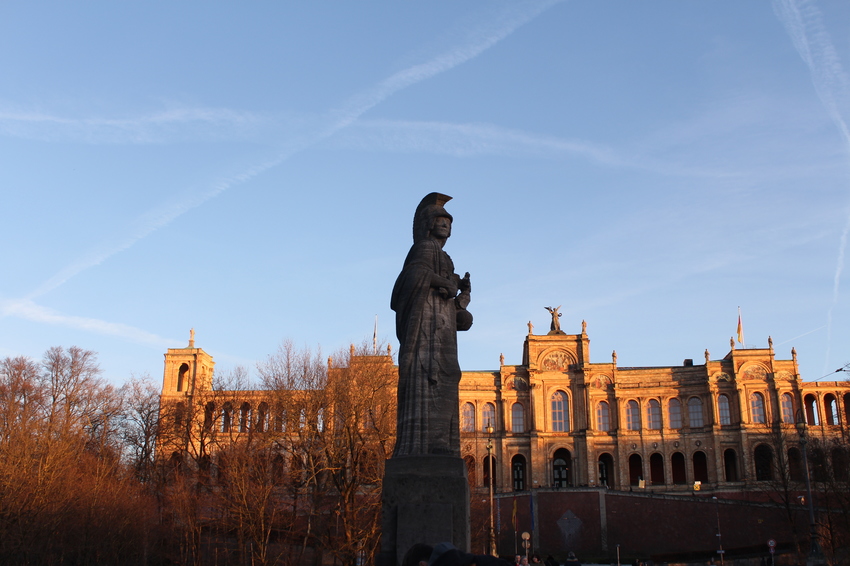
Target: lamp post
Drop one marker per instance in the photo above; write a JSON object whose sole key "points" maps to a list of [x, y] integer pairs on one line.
{"points": [[490, 465], [815, 557], [720, 550]]}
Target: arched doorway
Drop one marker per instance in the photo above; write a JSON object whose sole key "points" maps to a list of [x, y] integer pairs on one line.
{"points": [[635, 469], [561, 468], [700, 466], [518, 472], [656, 469], [606, 470], [677, 462], [730, 464]]}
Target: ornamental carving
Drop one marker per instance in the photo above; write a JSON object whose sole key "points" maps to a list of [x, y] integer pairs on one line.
{"points": [[602, 382], [755, 372], [722, 377], [557, 361], [784, 375], [516, 383]]}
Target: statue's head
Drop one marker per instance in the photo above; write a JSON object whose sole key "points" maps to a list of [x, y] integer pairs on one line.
{"points": [[428, 211]]}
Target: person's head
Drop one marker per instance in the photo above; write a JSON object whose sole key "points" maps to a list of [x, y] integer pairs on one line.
{"points": [[428, 215], [524, 561], [441, 227], [571, 555], [535, 559], [417, 555], [516, 559]]}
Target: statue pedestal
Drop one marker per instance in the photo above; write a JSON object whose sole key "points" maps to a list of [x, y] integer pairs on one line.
{"points": [[424, 499]]}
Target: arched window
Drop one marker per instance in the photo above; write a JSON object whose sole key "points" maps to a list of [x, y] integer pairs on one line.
{"points": [[244, 417], [181, 376], [488, 416], [320, 419], [517, 418], [787, 403], [723, 410], [226, 417], [467, 418], [209, 415], [812, 416], [763, 457], [518, 472], [653, 414], [831, 409], [757, 405], [674, 410], [632, 416], [560, 412], [695, 417], [280, 420], [262, 417], [603, 416], [561, 464]]}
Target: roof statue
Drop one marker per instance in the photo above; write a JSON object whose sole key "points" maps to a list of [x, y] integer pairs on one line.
{"points": [[555, 326]]}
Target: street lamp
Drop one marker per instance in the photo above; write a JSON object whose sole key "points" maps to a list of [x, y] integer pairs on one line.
{"points": [[490, 465], [720, 550], [815, 557]]}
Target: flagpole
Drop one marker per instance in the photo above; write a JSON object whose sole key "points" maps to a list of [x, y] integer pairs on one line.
{"points": [[375, 336]]}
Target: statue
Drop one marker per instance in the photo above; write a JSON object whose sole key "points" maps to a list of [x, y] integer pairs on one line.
{"points": [[430, 302], [555, 327], [530, 328]]}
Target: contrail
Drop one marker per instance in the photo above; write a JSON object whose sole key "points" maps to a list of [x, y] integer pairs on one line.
{"points": [[803, 22], [478, 40], [26, 309]]}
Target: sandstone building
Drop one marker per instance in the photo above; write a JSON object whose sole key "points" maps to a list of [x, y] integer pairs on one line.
{"points": [[571, 438]]}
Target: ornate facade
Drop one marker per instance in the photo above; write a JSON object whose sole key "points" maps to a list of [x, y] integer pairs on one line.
{"points": [[560, 420]]}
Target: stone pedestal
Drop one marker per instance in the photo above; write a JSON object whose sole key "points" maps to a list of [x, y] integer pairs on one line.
{"points": [[424, 499]]}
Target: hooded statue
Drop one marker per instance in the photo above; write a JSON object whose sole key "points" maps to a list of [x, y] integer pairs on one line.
{"points": [[430, 302]]}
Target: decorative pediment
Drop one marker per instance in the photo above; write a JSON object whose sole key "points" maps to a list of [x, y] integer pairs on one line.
{"points": [[783, 375], [516, 383], [755, 371], [557, 360]]}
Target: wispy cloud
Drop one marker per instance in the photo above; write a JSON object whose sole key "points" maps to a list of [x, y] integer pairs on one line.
{"points": [[477, 41], [170, 125], [465, 140], [804, 23], [28, 310]]}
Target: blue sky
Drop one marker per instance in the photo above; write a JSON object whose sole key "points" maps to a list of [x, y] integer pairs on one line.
{"points": [[251, 171]]}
